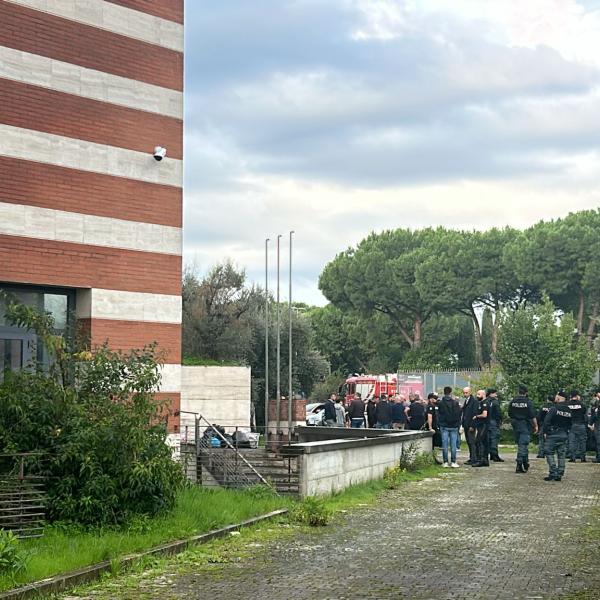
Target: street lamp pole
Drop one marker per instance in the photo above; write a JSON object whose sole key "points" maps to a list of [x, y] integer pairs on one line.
{"points": [[290, 348], [278, 399], [266, 339]]}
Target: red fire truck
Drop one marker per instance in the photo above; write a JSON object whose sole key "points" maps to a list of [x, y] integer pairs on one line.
{"points": [[370, 386]]}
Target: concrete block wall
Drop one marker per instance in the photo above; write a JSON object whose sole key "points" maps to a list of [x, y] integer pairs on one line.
{"points": [[221, 394], [343, 463]]}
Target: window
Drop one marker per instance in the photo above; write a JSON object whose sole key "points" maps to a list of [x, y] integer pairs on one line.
{"points": [[18, 347]]}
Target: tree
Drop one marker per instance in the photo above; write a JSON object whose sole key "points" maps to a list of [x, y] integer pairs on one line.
{"points": [[562, 258], [466, 272], [224, 320], [487, 327], [379, 277], [538, 348], [341, 338]]}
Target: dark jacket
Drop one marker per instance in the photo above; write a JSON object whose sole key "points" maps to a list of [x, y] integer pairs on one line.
{"points": [[495, 410], [416, 414], [578, 410], [383, 412], [356, 410], [542, 412], [521, 409], [469, 410], [329, 410], [559, 418], [449, 413], [371, 413], [398, 414]]}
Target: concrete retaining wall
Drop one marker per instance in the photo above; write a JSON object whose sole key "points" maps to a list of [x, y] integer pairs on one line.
{"points": [[330, 466]]}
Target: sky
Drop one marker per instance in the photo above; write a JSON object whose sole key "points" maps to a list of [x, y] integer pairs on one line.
{"points": [[335, 118]]}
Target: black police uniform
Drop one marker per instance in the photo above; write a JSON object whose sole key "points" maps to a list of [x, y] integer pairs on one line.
{"points": [[595, 421], [482, 450], [541, 417], [578, 433], [432, 409], [494, 423], [556, 429], [521, 413]]}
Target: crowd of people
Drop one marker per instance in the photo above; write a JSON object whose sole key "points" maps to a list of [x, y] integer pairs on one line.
{"points": [[562, 424]]}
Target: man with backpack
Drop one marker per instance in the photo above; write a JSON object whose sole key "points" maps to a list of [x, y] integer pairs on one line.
{"points": [[449, 417]]}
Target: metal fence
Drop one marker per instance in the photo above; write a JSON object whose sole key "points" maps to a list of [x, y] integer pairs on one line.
{"points": [[222, 455], [435, 381], [22, 496]]}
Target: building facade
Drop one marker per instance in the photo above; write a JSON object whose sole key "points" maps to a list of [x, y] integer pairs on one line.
{"points": [[90, 222]]}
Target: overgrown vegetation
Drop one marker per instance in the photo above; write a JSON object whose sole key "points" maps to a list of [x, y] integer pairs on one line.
{"points": [[411, 461], [92, 421], [312, 511], [13, 557], [66, 547]]}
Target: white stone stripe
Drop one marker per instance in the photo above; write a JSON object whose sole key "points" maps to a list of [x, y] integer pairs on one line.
{"points": [[118, 305], [89, 83], [38, 146], [78, 228], [171, 378], [114, 18]]}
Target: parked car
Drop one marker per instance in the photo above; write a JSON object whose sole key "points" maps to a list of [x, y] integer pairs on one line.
{"points": [[315, 413]]}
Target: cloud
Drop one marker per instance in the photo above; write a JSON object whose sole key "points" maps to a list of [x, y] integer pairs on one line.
{"points": [[335, 118]]}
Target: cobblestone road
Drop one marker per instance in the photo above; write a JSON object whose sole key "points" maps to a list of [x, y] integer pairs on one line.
{"points": [[475, 534]]}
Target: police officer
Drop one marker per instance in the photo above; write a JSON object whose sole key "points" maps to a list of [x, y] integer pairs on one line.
{"points": [[494, 423], [557, 425], [522, 415], [480, 425], [595, 423], [541, 417], [578, 433]]}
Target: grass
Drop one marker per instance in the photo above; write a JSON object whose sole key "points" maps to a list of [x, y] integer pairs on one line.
{"points": [[195, 361], [198, 510]]}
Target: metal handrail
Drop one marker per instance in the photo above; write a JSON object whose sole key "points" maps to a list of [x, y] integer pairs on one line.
{"points": [[229, 444]]}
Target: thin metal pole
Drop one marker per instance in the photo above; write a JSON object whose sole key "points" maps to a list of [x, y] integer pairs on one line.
{"points": [[278, 399], [290, 395], [267, 339]]}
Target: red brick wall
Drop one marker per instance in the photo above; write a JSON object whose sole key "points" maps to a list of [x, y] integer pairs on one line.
{"points": [[48, 186], [43, 262], [125, 335], [40, 33], [33, 107], [171, 10]]}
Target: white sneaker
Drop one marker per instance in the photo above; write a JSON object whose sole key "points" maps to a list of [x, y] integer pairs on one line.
{"points": [[455, 465], [445, 465]]}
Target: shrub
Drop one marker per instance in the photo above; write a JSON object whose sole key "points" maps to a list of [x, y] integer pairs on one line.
{"points": [[93, 418], [312, 511], [13, 558]]}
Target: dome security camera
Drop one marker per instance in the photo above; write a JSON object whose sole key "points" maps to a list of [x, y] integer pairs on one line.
{"points": [[159, 153]]}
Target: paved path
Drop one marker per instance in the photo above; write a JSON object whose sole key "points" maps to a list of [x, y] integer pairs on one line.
{"points": [[476, 534]]}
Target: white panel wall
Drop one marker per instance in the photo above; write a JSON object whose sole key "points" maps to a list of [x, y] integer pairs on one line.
{"points": [[88, 83], [79, 228], [72, 153], [221, 394]]}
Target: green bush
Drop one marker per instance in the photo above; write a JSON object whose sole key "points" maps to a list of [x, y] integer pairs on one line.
{"points": [[312, 511], [411, 461], [99, 432], [13, 558]]}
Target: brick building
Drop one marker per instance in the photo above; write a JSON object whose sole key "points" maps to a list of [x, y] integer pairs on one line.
{"points": [[90, 222]]}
